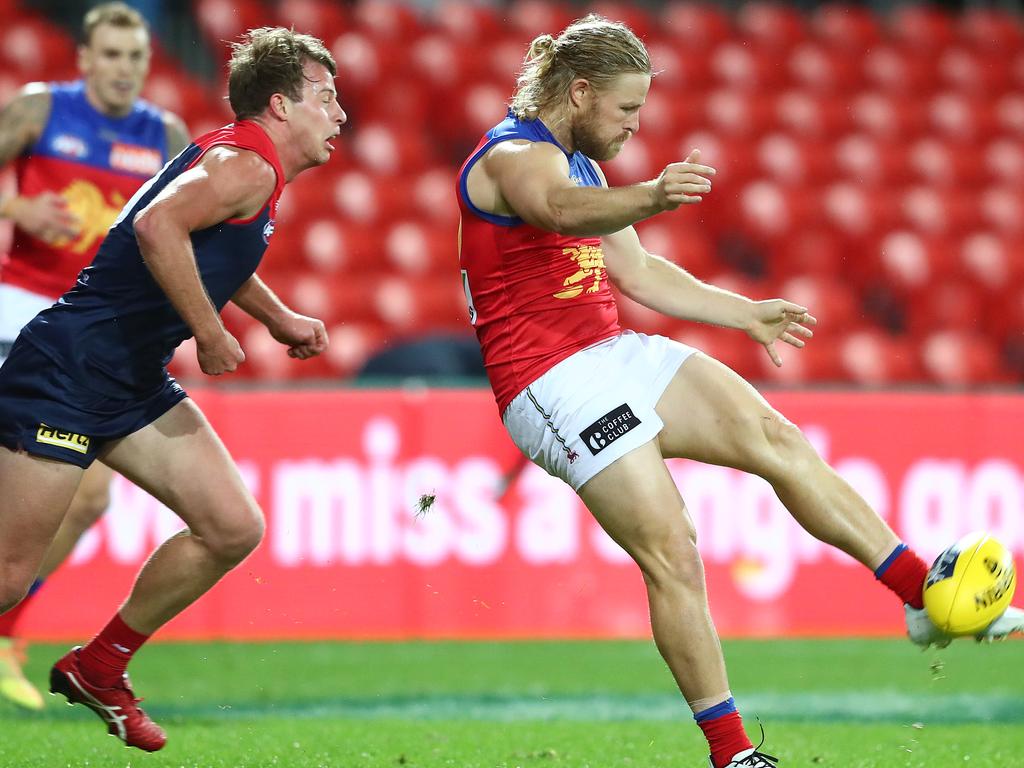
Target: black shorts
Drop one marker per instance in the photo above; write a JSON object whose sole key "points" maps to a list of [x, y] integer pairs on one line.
{"points": [[45, 412]]}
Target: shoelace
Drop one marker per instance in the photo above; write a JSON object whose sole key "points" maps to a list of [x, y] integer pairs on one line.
{"points": [[758, 759]]}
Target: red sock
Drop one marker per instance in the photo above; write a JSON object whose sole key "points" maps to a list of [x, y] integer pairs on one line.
{"points": [[904, 573], [724, 732], [104, 660]]}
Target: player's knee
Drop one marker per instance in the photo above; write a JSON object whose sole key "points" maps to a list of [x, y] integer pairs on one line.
{"points": [[788, 448], [233, 543], [675, 562], [13, 588]]}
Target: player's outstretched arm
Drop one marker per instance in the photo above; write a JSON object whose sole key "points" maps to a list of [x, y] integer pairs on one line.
{"points": [[661, 285], [532, 181], [304, 336], [227, 183], [45, 216]]}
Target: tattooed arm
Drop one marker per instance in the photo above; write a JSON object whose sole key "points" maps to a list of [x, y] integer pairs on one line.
{"points": [[21, 123]]}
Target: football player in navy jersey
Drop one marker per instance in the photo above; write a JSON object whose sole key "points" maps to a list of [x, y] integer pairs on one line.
{"points": [[81, 149], [87, 378]]}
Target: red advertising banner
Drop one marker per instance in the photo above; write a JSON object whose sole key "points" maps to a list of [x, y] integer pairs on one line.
{"points": [[507, 551]]}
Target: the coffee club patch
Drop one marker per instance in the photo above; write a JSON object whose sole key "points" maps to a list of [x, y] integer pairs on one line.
{"points": [[609, 428]]}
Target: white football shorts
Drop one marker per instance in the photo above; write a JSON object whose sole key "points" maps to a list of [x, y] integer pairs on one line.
{"points": [[595, 406], [17, 307]]}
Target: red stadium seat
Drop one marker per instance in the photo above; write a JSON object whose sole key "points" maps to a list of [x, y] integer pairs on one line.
{"points": [[850, 27], [825, 70], [898, 71], [321, 18], [530, 18], [1009, 113], [830, 299], [871, 357], [388, 20], [416, 249], [808, 114], [991, 262], [681, 72], [361, 61], [697, 26], [990, 29], [865, 158], [433, 196], [960, 358], [36, 50], [922, 27], [959, 118], [770, 24], [388, 150], [974, 72], [1002, 208], [631, 14], [738, 66], [887, 116], [465, 21], [944, 164], [351, 345], [1004, 161], [226, 20], [732, 113]]}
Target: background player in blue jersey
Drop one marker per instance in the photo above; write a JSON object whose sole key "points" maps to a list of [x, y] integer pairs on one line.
{"points": [[82, 149], [87, 378]]}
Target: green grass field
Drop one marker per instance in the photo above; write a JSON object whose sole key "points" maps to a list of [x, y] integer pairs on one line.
{"points": [[849, 703]]}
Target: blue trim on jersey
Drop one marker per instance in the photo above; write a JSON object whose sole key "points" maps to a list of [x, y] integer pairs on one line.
{"points": [[77, 132], [900, 549], [581, 169], [727, 707], [35, 587]]}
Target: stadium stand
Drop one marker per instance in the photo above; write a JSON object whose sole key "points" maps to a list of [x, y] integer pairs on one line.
{"points": [[871, 166]]}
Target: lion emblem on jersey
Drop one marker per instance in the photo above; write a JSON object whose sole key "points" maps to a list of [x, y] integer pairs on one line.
{"points": [[589, 261]]}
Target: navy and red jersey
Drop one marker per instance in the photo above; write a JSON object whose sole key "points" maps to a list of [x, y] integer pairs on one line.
{"points": [[536, 297], [96, 162], [116, 330]]}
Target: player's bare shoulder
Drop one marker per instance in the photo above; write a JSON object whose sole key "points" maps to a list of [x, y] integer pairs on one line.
{"points": [[515, 152], [240, 175], [23, 118]]}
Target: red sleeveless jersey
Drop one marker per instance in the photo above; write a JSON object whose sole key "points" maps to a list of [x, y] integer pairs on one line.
{"points": [[535, 297], [96, 163]]}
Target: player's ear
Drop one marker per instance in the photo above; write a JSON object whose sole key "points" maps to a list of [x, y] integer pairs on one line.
{"points": [[279, 106], [580, 90]]}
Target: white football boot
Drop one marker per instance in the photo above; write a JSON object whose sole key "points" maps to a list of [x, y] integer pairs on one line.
{"points": [[922, 632], [750, 758]]}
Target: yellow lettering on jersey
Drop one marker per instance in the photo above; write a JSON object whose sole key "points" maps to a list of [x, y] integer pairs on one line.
{"points": [[70, 440], [86, 202], [590, 268]]}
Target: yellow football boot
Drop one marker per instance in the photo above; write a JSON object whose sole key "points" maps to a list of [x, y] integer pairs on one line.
{"points": [[13, 685]]}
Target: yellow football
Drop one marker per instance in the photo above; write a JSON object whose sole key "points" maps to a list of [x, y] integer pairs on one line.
{"points": [[970, 585]]}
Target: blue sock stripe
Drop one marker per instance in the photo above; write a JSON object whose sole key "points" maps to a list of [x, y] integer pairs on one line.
{"points": [[727, 707], [35, 587], [900, 549]]}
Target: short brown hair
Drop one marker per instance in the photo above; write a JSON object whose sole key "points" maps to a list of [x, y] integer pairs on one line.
{"points": [[592, 47], [269, 60], [114, 14]]}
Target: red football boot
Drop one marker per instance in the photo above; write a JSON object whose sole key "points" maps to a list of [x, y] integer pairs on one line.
{"points": [[117, 707]]}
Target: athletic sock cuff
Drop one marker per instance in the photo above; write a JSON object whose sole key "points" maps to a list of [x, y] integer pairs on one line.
{"points": [[719, 710], [880, 570]]}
